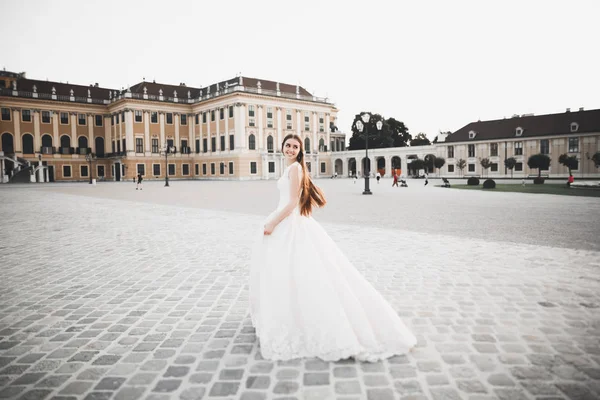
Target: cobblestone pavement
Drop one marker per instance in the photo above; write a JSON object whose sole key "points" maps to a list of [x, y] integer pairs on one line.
{"points": [[117, 296]]}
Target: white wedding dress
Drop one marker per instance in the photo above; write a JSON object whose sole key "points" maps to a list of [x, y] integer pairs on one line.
{"points": [[308, 300]]}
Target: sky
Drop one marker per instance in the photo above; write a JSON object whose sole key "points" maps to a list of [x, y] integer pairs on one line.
{"points": [[435, 65]]}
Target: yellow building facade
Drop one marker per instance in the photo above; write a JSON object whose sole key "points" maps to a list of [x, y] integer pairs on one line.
{"points": [[229, 130]]}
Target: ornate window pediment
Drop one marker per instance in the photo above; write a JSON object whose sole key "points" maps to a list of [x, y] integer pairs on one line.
{"points": [[472, 134]]}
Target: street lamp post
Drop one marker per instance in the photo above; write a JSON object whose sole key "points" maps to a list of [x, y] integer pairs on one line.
{"points": [[89, 158], [359, 125], [166, 150]]}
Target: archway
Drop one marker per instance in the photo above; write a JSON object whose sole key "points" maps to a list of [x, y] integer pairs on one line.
{"points": [[8, 146], [321, 145], [397, 165], [409, 160], [251, 142], [270, 144], [352, 167], [339, 167], [381, 165], [27, 140], [82, 143]]}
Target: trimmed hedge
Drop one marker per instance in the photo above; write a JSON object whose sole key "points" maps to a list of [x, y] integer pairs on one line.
{"points": [[473, 181], [489, 184], [538, 181]]}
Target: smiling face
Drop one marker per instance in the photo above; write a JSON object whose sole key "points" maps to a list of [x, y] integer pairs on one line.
{"points": [[291, 148]]}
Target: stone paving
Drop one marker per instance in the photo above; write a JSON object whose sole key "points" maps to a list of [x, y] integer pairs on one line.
{"points": [[120, 295]]}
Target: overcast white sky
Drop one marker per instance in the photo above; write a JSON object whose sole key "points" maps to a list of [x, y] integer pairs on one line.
{"points": [[435, 65]]}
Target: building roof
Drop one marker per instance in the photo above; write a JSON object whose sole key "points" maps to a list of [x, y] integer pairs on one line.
{"points": [[152, 88], [62, 89], [532, 126]]}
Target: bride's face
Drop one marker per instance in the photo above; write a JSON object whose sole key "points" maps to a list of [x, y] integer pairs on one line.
{"points": [[291, 148]]}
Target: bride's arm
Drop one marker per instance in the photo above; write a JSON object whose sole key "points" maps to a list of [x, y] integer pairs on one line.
{"points": [[294, 175]]}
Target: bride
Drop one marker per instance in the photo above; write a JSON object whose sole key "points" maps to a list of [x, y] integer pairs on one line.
{"points": [[306, 298]]}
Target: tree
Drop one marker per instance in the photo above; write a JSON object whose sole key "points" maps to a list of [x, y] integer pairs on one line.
{"points": [[429, 162], [420, 140], [392, 134], [539, 162], [596, 159], [439, 163], [461, 164], [485, 164], [570, 162], [510, 163]]}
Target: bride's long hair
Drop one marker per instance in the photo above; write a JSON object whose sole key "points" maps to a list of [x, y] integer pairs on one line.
{"points": [[311, 195]]}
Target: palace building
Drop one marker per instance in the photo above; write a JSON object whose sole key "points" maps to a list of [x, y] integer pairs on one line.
{"points": [[52, 131]]}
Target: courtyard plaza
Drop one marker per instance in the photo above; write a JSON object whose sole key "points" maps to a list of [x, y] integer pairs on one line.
{"points": [[111, 293]]}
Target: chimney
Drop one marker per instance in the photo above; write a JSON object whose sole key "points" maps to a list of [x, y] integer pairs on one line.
{"points": [[580, 108], [568, 110], [96, 84]]}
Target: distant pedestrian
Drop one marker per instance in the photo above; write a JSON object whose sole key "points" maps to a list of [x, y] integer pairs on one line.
{"points": [[139, 182], [395, 183], [378, 176], [426, 179], [523, 182], [570, 180]]}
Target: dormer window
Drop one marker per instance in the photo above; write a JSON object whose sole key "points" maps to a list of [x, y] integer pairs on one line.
{"points": [[472, 134], [519, 131], [574, 126]]}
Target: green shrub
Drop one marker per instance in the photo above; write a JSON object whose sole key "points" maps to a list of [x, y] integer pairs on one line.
{"points": [[489, 184], [473, 181], [538, 181]]}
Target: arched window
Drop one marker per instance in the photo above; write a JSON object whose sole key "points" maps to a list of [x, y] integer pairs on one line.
{"points": [[65, 141], [82, 142], [8, 146], [307, 145], [321, 145], [252, 142], [270, 144], [27, 140], [99, 146], [46, 141]]}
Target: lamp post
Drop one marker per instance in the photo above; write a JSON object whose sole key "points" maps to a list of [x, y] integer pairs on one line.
{"points": [[89, 157], [359, 125], [166, 150]]}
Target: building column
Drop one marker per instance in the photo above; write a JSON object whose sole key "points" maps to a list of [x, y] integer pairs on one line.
{"points": [[265, 167], [208, 137], [74, 142], [129, 133], [314, 139], [192, 133], [299, 122], [177, 120], [107, 137], [200, 124], [17, 131], [91, 141], [218, 131], [279, 129], [147, 148], [2, 171], [55, 138], [161, 121], [40, 172], [261, 140], [226, 111], [328, 130], [239, 121], [37, 139]]}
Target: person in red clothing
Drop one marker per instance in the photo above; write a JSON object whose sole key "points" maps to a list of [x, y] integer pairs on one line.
{"points": [[395, 180], [571, 180]]}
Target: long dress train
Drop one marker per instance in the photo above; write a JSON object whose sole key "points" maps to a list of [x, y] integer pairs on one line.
{"points": [[308, 300]]}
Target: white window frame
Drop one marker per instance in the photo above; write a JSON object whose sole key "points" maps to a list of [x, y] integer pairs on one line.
{"points": [[63, 171], [81, 166], [137, 113], [137, 171], [84, 119], [256, 168]]}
